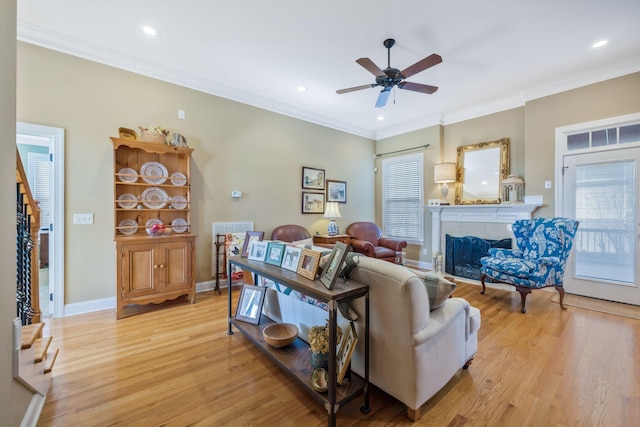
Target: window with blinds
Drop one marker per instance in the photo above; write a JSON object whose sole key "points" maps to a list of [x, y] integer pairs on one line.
{"points": [[402, 197]]}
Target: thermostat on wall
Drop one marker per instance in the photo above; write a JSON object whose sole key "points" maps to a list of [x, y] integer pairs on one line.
{"points": [[236, 194]]}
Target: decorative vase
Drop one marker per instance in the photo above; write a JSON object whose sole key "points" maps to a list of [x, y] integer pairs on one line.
{"points": [[320, 360]]}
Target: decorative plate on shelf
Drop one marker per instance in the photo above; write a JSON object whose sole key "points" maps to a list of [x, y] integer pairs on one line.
{"points": [[179, 202], [179, 225], [127, 175], [178, 178], [154, 173], [127, 201], [154, 198], [127, 226]]}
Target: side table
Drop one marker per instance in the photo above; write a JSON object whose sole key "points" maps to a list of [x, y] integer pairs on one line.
{"points": [[331, 240]]}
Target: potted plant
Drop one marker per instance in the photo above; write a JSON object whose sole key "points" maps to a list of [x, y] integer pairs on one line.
{"points": [[319, 345]]}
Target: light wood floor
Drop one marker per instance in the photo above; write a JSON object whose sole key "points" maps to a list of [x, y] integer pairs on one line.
{"points": [[177, 366]]}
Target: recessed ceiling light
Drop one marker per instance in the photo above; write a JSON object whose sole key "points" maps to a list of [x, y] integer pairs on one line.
{"points": [[380, 117], [302, 89], [600, 43], [150, 31]]}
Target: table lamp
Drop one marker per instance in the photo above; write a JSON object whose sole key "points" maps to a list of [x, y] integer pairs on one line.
{"points": [[444, 173], [332, 212]]}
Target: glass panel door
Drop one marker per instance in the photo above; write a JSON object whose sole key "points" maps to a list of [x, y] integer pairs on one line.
{"points": [[601, 191]]}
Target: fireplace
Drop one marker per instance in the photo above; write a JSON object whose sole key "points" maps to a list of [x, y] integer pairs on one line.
{"points": [[489, 222], [462, 254]]}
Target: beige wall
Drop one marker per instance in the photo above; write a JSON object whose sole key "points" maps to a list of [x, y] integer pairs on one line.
{"points": [[615, 97], [237, 147], [14, 398]]}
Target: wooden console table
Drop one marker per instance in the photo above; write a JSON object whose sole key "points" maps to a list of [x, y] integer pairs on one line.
{"points": [[296, 358]]}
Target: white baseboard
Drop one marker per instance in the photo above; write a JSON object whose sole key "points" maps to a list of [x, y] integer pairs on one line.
{"points": [[32, 415], [84, 307], [76, 308]]}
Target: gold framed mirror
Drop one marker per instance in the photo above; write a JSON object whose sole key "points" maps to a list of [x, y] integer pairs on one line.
{"points": [[480, 169]]}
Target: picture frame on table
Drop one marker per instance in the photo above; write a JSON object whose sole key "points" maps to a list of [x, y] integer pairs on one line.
{"points": [[251, 236], [312, 178], [347, 345], [275, 251], [291, 258], [257, 251], [312, 203], [336, 191], [309, 261], [250, 304], [333, 268]]}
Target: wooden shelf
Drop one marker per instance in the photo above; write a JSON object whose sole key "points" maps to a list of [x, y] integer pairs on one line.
{"points": [[296, 359]]}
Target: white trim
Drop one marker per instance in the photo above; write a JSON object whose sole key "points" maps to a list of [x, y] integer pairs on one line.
{"points": [[109, 303], [56, 243], [561, 148], [32, 415]]}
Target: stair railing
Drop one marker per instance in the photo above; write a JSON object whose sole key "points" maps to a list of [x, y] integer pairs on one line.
{"points": [[27, 229]]}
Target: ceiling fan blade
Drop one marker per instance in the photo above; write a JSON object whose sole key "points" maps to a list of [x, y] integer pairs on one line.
{"points": [[421, 65], [382, 98], [368, 65], [417, 87], [353, 89]]}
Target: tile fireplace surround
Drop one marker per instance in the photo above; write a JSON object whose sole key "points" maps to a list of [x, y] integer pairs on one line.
{"points": [[485, 221]]}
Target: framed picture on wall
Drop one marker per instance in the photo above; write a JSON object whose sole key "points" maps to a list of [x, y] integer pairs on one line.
{"points": [[312, 178], [312, 203], [336, 191]]}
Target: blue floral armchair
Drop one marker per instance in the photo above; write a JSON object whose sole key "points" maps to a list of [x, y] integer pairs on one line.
{"points": [[543, 246]]}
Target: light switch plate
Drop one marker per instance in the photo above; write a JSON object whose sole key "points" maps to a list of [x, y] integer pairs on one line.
{"points": [[83, 218], [236, 194]]}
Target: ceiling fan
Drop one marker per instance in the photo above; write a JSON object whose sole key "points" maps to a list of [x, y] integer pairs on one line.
{"points": [[391, 77]]}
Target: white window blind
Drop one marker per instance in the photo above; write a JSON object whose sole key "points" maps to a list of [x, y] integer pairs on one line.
{"points": [[402, 197]]}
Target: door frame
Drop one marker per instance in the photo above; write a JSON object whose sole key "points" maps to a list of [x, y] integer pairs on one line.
{"points": [[561, 152], [56, 236]]}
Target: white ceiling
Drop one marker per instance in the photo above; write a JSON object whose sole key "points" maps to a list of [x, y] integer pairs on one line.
{"points": [[497, 54]]}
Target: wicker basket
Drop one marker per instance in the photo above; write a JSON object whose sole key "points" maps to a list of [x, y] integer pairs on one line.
{"points": [[156, 138]]}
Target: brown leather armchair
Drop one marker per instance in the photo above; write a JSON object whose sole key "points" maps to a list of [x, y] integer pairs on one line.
{"points": [[290, 233], [366, 238]]}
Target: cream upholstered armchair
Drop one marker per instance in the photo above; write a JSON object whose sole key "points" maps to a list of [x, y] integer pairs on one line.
{"points": [[366, 238]]}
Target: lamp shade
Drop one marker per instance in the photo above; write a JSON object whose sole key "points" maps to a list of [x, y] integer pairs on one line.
{"points": [[444, 172], [332, 210]]}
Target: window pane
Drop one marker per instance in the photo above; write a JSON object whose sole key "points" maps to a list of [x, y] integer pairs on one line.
{"points": [[629, 133], [605, 207], [578, 141], [603, 137]]}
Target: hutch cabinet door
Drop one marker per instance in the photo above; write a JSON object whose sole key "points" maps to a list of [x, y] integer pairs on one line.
{"points": [[175, 259], [139, 270]]}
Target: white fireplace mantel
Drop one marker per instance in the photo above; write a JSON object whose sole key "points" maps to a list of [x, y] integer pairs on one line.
{"points": [[503, 213]]}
